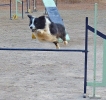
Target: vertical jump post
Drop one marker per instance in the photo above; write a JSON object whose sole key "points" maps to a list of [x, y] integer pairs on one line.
{"points": [[34, 5], [22, 9], [104, 64], [94, 69], [95, 45], [86, 56], [85, 70], [28, 5], [10, 10], [15, 16]]}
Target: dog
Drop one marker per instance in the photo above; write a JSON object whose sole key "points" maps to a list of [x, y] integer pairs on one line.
{"points": [[46, 30]]}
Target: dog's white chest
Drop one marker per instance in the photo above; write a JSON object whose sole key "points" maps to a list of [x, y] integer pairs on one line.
{"points": [[47, 24]]}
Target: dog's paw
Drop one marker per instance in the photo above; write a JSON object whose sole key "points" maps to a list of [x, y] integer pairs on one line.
{"points": [[40, 31], [33, 36], [65, 42], [57, 46]]}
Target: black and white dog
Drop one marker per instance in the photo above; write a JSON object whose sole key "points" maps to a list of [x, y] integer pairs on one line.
{"points": [[46, 30]]}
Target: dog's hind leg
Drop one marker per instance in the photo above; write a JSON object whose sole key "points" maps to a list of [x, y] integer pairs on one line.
{"points": [[64, 40], [57, 45]]}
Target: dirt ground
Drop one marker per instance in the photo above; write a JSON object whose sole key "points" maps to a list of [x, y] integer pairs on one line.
{"points": [[31, 75]]}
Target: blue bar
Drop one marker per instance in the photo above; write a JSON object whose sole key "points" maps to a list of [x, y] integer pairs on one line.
{"points": [[37, 49], [98, 32]]}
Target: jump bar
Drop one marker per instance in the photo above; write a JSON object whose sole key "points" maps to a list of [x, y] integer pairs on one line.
{"points": [[4, 4], [35, 49], [98, 32]]}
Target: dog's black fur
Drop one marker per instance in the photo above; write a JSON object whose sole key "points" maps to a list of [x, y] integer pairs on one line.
{"points": [[58, 30]]}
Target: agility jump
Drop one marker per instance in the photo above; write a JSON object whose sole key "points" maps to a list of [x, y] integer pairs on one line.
{"points": [[29, 10], [95, 84], [17, 14]]}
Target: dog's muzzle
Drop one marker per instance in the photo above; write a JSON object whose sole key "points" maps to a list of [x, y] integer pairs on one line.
{"points": [[33, 30]]}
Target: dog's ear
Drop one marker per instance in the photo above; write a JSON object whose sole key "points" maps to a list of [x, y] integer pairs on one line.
{"points": [[30, 16], [42, 17]]}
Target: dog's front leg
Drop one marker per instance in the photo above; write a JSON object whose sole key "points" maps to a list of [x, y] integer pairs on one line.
{"points": [[57, 45], [33, 35]]}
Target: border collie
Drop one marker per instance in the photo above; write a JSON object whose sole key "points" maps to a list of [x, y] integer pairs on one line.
{"points": [[46, 30]]}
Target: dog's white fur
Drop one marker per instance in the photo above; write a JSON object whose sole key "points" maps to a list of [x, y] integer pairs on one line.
{"points": [[47, 26], [32, 24]]}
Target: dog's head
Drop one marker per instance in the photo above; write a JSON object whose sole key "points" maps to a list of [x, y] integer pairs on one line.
{"points": [[37, 23]]}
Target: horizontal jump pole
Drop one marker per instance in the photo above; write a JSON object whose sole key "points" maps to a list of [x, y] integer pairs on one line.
{"points": [[98, 32], [36, 49], [4, 4]]}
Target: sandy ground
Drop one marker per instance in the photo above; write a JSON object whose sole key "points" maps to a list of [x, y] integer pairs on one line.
{"points": [[48, 75]]}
